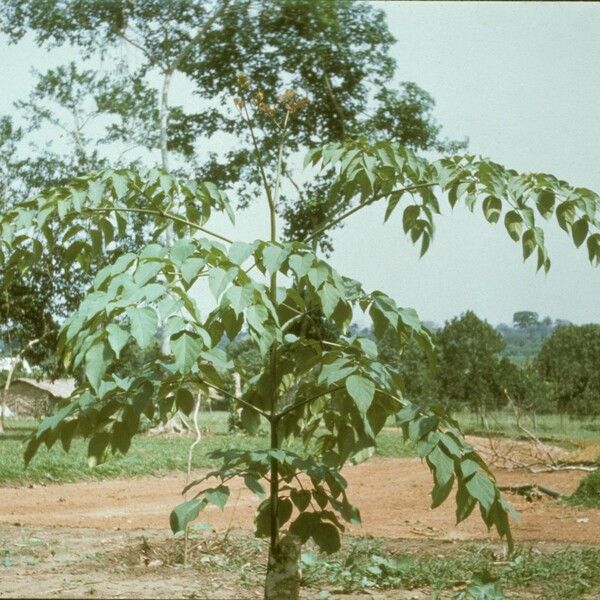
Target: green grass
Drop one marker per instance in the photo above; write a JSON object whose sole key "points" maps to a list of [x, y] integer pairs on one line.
{"points": [[148, 455], [560, 428], [588, 492], [367, 564]]}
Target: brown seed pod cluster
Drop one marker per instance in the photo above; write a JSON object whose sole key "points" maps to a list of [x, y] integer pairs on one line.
{"points": [[242, 81], [259, 102], [292, 102], [289, 99]]}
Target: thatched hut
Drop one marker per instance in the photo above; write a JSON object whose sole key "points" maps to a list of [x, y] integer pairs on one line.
{"points": [[31, 398]]}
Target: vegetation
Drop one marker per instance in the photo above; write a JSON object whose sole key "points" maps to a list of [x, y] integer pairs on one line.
{"points": [[367, 564], [305, 384], [148, 454], [319, 385], [525, 337], [123, 114], [588, 492], [569, 361], [560, 428]]}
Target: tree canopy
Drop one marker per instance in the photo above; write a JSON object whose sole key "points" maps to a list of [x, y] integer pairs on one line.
{"points": [[335, 55], [568, 361], [116, 109]]}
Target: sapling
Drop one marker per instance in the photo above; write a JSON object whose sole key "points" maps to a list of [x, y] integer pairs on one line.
{"points": [[331, 392]]}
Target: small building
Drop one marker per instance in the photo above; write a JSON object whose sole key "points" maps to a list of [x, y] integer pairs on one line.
{"points": [[30, 398]]}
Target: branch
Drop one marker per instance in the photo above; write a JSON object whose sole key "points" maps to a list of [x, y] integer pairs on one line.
{"points": [[259, 160], [345, 215], [296, 405], [166, 215], [138, 46], [235, 399], [168, 74]]}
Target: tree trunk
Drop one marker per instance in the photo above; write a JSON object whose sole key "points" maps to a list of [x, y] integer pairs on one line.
{"points": [[283, 570], [17, 359]]}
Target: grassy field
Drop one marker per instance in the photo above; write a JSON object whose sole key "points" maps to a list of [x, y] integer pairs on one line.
{"points": [[561, 428], [148, 455]]}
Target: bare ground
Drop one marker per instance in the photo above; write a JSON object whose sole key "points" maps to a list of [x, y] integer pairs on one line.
{"points": [[72, 524]]}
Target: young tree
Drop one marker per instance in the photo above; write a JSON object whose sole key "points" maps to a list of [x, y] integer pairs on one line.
{"points": [[335, 396]]}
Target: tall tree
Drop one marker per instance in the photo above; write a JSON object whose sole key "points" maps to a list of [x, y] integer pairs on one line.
{"points": [[469, 369], [332, 53]]}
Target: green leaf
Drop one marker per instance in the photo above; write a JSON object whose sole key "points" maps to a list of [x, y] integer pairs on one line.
{"points": [[191, 267], [262, 519], [440, 492], [301, 498], [96, 362], [327, 537], [514, 224], [239, 297], [95, 191], [303, 526], [217, 496], [362, 391], [218, 280], [529, 243], [121, 437], [482, 489], [184, 513], [284, 511], [146, 271], [565, 214], [579, 231], [240, 251], [443, 465], [254, 485], [97, 448], [545, 203], [465, 503], [273, 257], [117, 338], [186, 348], [492, 207], [184, 400], [120, 185], [144, 323], [181, 250], [330, 298], [250, 420]]}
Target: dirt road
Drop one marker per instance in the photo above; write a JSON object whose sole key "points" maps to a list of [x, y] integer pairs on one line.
{"points": [[392, 495]]}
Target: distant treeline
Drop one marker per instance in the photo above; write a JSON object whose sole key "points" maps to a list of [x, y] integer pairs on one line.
{"points": [[540, 366]]}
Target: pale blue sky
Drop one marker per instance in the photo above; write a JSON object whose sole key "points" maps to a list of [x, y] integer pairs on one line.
{"points": [[522, 81]]}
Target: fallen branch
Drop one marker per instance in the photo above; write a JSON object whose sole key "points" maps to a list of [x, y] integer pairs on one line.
{"points": [[531, 490], [565, 468], [528, 433]]}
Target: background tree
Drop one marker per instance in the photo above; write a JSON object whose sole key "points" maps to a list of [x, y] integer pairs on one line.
{"points": [[568, 362], [469, 363], [334, 53], [525, 319]]}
